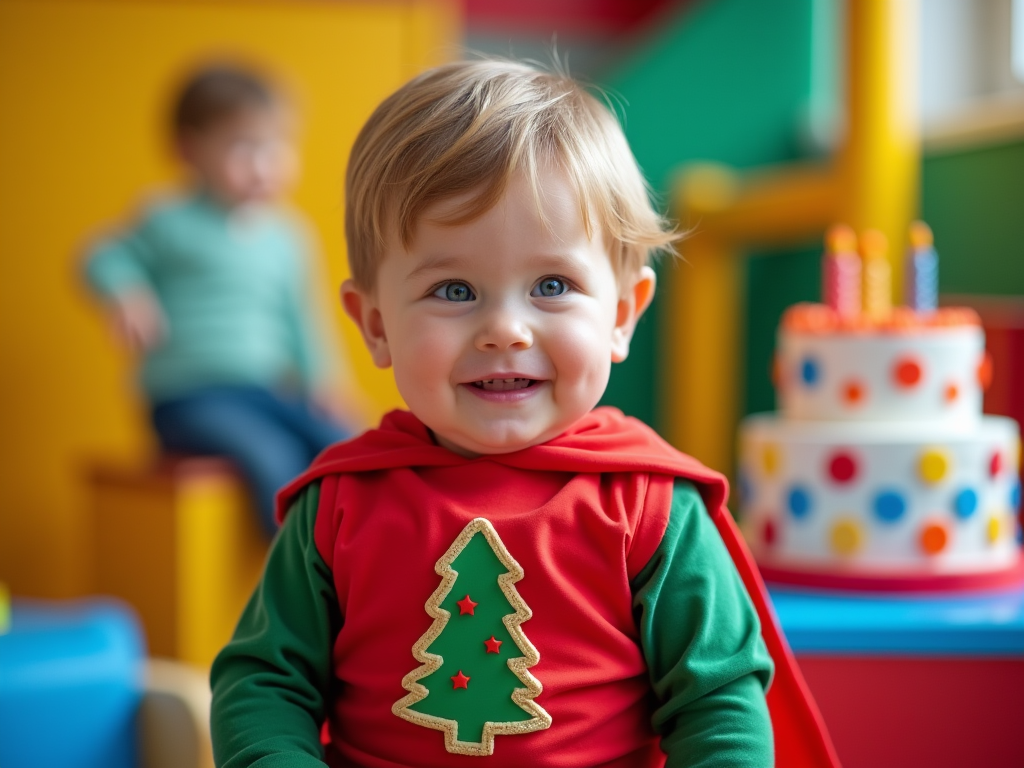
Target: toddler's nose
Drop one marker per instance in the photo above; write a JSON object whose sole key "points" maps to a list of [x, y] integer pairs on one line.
{"points": [[504, 329]]}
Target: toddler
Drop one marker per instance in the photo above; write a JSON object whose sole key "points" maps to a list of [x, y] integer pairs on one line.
{"points": [[504, 575], [212, 288]]}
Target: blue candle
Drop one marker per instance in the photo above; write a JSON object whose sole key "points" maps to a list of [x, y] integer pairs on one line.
{"points": [[922, 272]]}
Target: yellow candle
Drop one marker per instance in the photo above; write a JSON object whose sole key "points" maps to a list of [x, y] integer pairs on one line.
{"points": [[877, 275]]}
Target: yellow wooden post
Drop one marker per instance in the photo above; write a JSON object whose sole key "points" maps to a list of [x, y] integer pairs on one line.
{"points": [[880, 160], [714, 308]]}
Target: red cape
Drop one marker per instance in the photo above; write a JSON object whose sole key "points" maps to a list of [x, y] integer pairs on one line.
{"points": [[607, 441]]}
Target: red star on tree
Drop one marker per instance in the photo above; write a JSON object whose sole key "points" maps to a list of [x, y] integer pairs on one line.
{"points": [[460, 681], [493, 646], [466, 606]]}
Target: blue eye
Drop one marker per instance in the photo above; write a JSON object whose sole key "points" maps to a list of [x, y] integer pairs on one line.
{"points": [[550, 286], [455, 292]]}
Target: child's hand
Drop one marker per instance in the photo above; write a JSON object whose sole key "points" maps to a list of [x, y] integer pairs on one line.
{"points": [[138, 319]]}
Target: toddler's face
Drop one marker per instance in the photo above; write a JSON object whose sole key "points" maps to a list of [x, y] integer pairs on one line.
{"points": [[501, 330], [246, 158]]}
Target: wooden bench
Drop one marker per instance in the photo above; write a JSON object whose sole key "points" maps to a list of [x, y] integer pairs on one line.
{"points": [[179, 542]]}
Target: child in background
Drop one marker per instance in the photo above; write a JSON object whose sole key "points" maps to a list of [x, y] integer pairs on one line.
{"points": [[504, 575], [212, 288]]}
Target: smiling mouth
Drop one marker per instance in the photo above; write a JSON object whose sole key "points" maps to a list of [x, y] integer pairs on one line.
{"points": [[503, 385]]}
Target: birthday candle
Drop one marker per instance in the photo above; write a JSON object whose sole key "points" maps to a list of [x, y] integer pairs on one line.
{"points": [[840, 271], [922, 271], [877, 275]]}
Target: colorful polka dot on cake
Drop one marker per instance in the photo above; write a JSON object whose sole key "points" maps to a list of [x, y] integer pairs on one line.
{"points": [[889, 506], [985, 371], [854, 393], [933, 465], [842, 467], [799, 502], [770, 459], [809, 372], [965, 503], [907, 373], [847, 537], [994, 528], [995, 464], [934, 538]]}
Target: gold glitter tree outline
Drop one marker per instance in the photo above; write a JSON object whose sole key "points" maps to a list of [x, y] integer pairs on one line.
{"points": [[431, 662]]}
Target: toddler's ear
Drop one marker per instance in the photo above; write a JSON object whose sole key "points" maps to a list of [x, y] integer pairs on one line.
{"points": [[362, 308], [635, 298]]}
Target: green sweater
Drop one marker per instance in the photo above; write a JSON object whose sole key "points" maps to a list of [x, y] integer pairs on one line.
{"points": [[699, 633], [233, 287]]}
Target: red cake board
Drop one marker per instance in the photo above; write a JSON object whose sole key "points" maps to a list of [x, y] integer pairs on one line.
{"points": [[849, 582], [920, 712]]}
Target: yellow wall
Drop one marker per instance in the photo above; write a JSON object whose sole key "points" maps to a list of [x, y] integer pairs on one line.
{"points": [[83, 89]]}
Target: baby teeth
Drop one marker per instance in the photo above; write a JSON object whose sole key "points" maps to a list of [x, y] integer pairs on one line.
{"points": [[503, 385]]}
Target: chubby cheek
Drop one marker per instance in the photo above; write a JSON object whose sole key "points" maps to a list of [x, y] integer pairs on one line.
{"points": [[425, 356], [582, 357]]}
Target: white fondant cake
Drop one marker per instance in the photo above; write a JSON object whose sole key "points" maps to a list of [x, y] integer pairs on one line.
{"points": [[927, 375], [880, 463]]}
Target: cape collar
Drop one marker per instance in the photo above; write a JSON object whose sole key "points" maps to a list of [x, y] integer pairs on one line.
{"points": [[605, 440]]}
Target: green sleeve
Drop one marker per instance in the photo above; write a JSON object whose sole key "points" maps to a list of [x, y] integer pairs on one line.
{"points": [[702, 642], [120, 263], [270, 683]]}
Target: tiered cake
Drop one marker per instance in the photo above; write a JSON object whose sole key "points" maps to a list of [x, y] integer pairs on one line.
{"points": [[880, 471]]}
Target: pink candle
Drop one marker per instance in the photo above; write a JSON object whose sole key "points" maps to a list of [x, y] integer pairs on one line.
{"points": [[841, 271]]}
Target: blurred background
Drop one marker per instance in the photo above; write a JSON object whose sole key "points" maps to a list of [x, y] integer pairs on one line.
{"points": [[736, 82], [710, 92]]}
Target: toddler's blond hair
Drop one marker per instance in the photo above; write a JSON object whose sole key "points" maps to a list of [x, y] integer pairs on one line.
{"points": [[467, 127]]}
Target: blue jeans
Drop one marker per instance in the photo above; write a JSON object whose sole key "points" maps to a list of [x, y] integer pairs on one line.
{"points": [[272, 438]]}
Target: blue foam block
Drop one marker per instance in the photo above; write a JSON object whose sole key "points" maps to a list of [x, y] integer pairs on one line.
{"points": [[71, 677]]}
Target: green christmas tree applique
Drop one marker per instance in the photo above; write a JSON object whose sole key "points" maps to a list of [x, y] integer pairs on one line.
{"points": [[474, 682]]}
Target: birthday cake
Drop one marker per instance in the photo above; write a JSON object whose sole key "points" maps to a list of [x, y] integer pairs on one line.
{"points": [[880, 470]]}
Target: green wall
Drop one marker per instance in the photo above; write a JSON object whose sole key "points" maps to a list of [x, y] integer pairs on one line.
{"points": [[974, 201], [723, 80], [774, 282]]}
